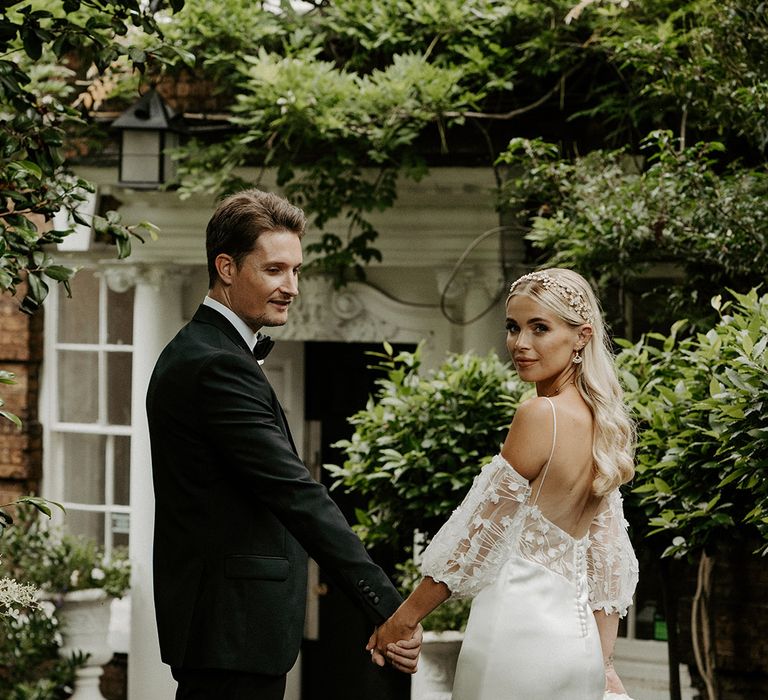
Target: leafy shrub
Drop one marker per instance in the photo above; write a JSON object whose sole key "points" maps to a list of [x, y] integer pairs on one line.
{"points": [[417, 446], [30, 666], [615, 215], [421, 440], [702, 440]]}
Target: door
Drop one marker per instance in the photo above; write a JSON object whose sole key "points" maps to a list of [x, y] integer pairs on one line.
{"points": [[335, 665]]}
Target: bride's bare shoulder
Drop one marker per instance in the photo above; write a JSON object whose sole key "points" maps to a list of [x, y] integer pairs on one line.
{"points": [[529, 439]]}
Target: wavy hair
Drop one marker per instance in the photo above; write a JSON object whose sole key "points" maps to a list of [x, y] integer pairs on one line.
{"points": [[596, 379]]}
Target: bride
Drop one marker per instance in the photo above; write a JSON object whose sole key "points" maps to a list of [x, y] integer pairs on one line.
{"points": [[540, 540]]}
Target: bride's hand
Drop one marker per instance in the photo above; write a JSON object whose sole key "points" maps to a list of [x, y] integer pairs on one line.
{"points": [[384, 644]]}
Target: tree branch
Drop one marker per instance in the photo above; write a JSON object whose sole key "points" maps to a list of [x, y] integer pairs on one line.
{"points": [[520, 110]]}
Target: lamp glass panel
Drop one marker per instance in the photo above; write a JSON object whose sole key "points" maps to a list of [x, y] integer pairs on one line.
{"points": [[140, 157]]}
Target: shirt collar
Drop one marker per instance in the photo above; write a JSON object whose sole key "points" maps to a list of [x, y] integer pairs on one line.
{"points": [[241, 326]]}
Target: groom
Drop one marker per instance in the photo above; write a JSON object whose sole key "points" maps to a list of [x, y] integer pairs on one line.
{"points": [[236, 510]]}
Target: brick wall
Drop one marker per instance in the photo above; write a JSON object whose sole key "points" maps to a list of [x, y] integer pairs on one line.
{"points": [[21, 352]]}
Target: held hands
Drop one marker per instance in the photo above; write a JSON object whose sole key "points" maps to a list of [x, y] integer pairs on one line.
{"points": [[396, 642]]}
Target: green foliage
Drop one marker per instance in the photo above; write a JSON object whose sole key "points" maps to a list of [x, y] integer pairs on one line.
{"points": [[30, 667], [699, 64], [341, 100], [605, 214], [422, 439], [703, 442], [34, 180], [58, 563], [351, 98]]}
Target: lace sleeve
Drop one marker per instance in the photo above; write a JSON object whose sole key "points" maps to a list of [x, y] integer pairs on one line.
{"points": [[470, 548], [611, 563]]}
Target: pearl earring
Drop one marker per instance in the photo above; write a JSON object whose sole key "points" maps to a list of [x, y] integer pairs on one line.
{"points": [[577, 358]]}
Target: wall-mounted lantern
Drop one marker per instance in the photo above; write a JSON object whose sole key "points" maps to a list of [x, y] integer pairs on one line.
{"points": [[147, 130]]}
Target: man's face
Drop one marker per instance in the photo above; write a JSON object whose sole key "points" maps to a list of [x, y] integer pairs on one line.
{"points": [[266, 283]]}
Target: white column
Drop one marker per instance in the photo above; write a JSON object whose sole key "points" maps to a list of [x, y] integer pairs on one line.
{"points": [[157, 316]]}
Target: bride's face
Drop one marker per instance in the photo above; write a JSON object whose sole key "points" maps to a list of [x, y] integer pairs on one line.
{"points": [[540, 343]]}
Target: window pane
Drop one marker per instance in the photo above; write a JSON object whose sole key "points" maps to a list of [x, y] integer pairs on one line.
{"points": [[120, 525], [79, 316], [87, 524], [120, 317], [119, 366], [83, 458], [78, 386], [122, 468]]}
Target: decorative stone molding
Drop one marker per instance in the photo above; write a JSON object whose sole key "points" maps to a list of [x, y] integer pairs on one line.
{"points": [[121, 278], [471, 279], [357, 313]]}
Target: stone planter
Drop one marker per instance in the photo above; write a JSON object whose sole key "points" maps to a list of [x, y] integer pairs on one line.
{"points": [[84, 622], [437, 665]]}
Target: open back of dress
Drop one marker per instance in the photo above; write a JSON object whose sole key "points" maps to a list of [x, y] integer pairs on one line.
{"points": [[531, 633]]}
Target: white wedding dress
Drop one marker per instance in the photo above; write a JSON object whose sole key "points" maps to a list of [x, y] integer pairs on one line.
{"points": [[531, 633]]}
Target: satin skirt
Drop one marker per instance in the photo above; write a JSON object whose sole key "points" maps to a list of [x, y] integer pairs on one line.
{"points": [[530, 636]]}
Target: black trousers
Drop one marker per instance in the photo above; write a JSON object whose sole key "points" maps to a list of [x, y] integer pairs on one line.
{"points": [[216, 684]]}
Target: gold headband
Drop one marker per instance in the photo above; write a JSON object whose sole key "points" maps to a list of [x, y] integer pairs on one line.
{"points": [[573, 296]]}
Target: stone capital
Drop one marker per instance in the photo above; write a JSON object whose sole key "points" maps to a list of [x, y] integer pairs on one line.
{"points": [[122, 277]]}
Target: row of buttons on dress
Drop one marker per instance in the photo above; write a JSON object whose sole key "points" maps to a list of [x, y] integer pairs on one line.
{"points": [[582, 602], [367, 589]]}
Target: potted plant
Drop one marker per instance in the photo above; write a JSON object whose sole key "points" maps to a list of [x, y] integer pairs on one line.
{"points": [[74, 575], [415, 449]]}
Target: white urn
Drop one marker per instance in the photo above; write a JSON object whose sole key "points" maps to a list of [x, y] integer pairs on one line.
{"points": [[437, 666], [84, 625]]}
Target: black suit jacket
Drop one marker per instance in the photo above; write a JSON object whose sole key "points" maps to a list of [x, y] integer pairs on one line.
{"points": [[237, 512]]}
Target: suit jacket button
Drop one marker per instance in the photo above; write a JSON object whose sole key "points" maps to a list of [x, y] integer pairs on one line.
{"points": [[366, 589], [361, 583], [375, 599]]}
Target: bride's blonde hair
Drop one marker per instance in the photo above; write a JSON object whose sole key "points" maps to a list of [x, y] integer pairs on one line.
{"points": [[568, 295]]}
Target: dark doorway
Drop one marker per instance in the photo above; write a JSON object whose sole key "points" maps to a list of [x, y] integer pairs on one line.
{"points": [[339, 380]]}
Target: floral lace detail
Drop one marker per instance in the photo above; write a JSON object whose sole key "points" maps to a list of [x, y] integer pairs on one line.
{"points": [[612, 568], [543, 542], [497, 520], [469, 550]]}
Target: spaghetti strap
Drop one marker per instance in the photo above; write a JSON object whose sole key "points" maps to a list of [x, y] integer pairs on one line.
{"points": [[552, 451]]}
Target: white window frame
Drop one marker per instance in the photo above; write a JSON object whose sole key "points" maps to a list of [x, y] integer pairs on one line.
{"points": [[53, 471]]}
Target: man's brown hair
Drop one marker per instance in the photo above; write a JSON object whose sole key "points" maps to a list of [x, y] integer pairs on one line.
{"points": [[241, 218]]}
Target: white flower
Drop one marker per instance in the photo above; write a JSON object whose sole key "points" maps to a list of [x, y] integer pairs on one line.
{"points": [[97, 574], [74, 577], [13, 593], [678, 541]]}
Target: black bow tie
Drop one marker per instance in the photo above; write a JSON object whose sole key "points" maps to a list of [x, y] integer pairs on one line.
{"points": [[263, 345]]}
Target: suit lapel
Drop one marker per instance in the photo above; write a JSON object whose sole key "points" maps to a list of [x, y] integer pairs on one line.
{"points": [[205, 314]]}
